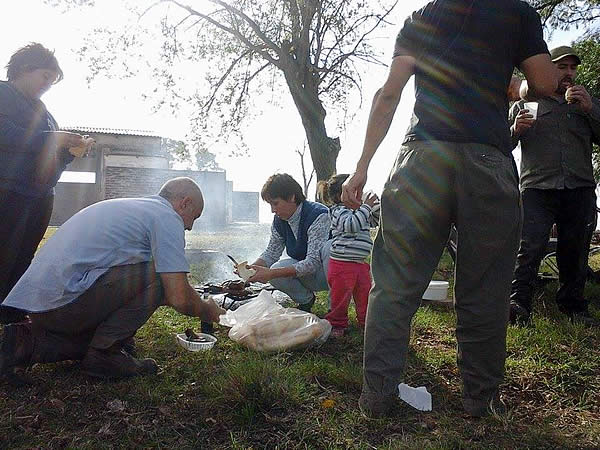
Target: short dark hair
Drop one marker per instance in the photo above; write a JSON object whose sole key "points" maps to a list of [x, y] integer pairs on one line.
{"points": [[330, 191], [32, 57], [282, 185]]}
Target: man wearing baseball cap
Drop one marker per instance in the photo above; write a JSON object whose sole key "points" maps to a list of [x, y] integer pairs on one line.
{"points": [[557, 185]]}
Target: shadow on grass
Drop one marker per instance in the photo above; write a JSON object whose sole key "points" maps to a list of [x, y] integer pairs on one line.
{"points": [[234, 398]]}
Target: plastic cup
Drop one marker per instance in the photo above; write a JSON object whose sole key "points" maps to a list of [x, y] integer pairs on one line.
{"points": [[532, 107]]}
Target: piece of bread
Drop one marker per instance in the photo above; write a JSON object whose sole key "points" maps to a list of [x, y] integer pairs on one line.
{"points": [[244, 271], [82, 149]]}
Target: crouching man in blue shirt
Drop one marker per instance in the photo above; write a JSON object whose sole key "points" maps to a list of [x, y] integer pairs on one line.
{"points": [[301, 228], [100, 277]]}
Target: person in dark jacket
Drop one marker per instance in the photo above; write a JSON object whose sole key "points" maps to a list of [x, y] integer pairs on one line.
{"points": [[301, 228], [557, 187], [33, 154]]}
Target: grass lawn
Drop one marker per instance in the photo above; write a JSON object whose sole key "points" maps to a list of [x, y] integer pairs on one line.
{"points": [[234, 398]]}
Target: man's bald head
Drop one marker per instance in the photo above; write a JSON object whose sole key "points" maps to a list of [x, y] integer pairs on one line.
{"points": [[186, 197]]}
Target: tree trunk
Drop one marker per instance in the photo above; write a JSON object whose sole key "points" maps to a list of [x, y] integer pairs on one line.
{"points": [[324, 150]]}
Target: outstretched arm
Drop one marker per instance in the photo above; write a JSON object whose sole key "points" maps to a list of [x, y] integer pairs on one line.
{"points": [[383, 108], [184, 299]]}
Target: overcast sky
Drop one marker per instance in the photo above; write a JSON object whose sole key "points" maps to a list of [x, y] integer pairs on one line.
{"points": [[272, 137]]}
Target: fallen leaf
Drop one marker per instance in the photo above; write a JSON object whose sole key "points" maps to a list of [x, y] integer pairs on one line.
{"points": [[328, 403]]}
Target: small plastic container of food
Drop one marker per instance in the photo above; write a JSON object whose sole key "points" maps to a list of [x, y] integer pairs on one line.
{"points": [[205, 342]]}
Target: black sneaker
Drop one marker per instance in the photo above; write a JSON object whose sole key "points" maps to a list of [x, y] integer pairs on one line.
{"points": [[116, 363], [584, 318], [519, 315], [307, 307]]}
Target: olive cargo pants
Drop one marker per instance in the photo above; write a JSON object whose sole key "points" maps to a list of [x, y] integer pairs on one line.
{"points": [[433, 185]]}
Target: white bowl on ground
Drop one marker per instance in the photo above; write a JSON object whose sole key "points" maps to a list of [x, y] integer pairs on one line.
{"points": [[436, 291], [207, 343]]}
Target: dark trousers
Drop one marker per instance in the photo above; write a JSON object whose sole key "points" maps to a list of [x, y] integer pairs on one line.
{"points": [[23, 222], [110, 311], [574, 212], [432, 186]]}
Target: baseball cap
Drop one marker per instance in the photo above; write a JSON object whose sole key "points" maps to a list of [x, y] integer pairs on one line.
{"points": [[563, 51]]}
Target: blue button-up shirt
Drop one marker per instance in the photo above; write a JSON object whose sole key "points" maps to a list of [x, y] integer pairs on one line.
{"points": [[104, 235]]}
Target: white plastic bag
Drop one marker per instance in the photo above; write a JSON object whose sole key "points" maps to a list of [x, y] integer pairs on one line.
{"points": [[264, 325], [259, 307]]}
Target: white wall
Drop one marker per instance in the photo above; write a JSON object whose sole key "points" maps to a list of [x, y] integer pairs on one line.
{"points": [[149, 162]]}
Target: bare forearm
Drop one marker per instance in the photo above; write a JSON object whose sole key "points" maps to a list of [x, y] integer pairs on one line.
{"points": [[191, 304], [184, 299], [384, 106], [283, 272], [380, 119]]}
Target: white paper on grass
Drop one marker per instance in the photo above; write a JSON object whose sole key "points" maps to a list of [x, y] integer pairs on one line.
{"points": [[418, 397]]}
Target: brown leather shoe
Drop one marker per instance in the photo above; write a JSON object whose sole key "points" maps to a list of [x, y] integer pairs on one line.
{"points": [[17, 347], [116, 363]]}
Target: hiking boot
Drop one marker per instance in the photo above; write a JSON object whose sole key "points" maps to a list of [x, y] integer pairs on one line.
{"points": [[375, 406], [307, 307], [584, 318], [9, 314], [519, 315], [116, 363], [495, 406], [17, 347]]}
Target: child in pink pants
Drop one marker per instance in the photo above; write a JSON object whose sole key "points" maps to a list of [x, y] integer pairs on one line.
{"points": [[349, 274]]}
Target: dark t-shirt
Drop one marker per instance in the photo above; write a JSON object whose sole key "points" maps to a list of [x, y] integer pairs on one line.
{"points": [[465, 53]]}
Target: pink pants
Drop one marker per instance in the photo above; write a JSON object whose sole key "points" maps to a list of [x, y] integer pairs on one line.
{"points": [[346, 280]]}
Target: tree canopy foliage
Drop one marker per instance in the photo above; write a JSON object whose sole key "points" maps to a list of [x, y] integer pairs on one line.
{"points": [[588, 72], [566, 14], [588, 75], [314, 49]]}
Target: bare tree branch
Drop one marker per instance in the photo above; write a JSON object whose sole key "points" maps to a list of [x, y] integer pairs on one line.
{"points": [[234, 32], [219, 83]]}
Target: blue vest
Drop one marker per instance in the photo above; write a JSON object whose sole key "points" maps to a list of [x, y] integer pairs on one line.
{"points": [[296, 248]]}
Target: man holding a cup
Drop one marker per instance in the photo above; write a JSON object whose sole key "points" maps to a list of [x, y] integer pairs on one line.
{"points": [[557, 184]]}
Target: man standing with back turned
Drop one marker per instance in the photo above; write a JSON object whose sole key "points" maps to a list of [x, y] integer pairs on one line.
{"points": [[557, 182], [454, 167]]}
